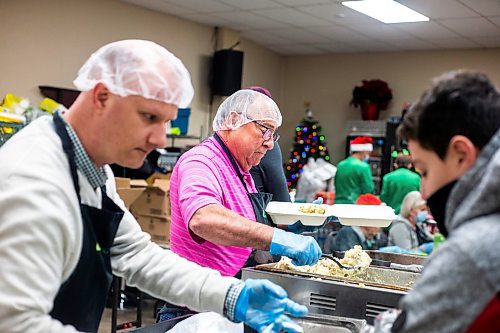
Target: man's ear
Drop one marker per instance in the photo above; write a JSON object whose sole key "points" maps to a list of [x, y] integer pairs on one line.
{"points": [[100, 96], [234, 118], [462, 152]]}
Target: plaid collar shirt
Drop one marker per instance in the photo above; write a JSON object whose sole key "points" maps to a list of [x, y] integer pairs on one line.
{"points": [[96, 176]]}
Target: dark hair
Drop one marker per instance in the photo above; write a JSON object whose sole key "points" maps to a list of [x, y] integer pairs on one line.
{"points": [[457, 103], [403, 161], [261, 90]]}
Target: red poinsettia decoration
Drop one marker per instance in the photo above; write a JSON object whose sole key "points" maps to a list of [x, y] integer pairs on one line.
{"points": [[372, 92]]}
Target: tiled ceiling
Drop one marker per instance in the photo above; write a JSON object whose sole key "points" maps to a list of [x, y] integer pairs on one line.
{"points": [[294, 27]]}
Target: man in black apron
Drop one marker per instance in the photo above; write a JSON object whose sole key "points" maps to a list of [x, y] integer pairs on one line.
{"points": [[64, 229], [245, 129]]}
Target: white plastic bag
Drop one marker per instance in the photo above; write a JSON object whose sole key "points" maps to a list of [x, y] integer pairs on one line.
{"points": [[207, 322], [317, 175]]}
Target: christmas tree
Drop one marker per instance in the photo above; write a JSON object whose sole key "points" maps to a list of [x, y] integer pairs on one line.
{"points": [[308, 142]]}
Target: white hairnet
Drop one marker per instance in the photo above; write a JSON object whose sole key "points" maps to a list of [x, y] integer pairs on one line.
{"points": [[243, 107], [138, 67], [412, 200]]}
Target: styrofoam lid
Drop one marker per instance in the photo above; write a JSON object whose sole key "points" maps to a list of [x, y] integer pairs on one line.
{"points": [[363, 215]]}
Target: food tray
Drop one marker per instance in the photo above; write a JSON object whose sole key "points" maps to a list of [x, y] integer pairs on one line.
{"points": [[397, 258], [375, 277], [286, 213], [316, 323]]}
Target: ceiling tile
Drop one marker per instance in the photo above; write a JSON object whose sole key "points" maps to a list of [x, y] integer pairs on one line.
{"points": [[265, 37], [412, 44], [336, 47], [380, 31], [291, 16], [250, 21], [338, 33], [471, 27], [377, 46], [338, 14], [488, 41], [484, 7], [299, 35], [254, 4], [202, 6], [296, 49], [208, 20], [455, 43], [294, 3], [439, 8], [161, 6], [495, 20], [316, 26], [427, 30]]}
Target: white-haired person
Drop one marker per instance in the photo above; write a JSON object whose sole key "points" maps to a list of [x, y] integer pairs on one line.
{"points": [[408, 231], [218, 216], [64, 229]]}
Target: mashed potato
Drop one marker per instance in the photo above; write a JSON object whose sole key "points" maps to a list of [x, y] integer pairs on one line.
{"points": [[354, 257], [312, 209]]}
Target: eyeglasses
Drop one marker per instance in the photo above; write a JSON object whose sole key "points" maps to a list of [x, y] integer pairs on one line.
{"points": [[267, 132]]}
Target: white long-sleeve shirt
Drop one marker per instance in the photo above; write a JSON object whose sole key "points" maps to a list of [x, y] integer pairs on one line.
{"points": [[41, 239]]}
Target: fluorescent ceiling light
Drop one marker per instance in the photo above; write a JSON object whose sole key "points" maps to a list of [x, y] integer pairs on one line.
{"points": [[387, 11]]}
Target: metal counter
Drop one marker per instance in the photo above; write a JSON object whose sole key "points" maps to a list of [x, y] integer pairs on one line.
{"points": [[326, 324], [336, 297]]}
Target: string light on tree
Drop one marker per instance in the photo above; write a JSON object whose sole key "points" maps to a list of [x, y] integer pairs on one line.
{"points": [[308, 142]]}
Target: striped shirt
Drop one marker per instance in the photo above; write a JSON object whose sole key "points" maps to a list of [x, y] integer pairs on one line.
{"points": [[202, 176]]}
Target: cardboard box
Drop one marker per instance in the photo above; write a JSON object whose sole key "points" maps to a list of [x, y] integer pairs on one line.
{"points": [[154, 201], [128, 193], [158, 228], [143, 199]]}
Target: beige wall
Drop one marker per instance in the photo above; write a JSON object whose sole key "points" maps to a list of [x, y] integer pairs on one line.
{"points": [[46, 42], [327, 82]]}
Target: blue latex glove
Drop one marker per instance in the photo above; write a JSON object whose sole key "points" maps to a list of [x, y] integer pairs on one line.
{"points": [[426, 247], [318, 201], [262, 306], [303, 250], [393, 249], [397, 249]]}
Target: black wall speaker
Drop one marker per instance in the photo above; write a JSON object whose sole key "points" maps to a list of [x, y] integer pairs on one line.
{"points": [[226, 72]]}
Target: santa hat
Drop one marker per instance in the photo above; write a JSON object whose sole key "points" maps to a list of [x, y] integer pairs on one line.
{"points": [[362, 143], [368, 199]]}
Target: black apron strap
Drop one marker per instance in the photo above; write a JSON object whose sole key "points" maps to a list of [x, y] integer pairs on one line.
{"points": [[259, 202], [231, 159], [81, 298], [68, 149]]}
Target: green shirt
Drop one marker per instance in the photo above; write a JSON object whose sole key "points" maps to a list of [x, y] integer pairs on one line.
{"points": [[395, 186], [352, 179]]}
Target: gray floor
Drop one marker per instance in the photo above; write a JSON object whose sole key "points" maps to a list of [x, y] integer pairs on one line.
{"points": [[128, 314]]}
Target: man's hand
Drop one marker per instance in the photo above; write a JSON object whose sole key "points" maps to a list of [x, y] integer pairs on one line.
{"points": [[303, 250], [263, 306]]}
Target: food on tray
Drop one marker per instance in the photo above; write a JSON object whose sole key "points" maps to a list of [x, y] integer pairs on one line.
{"points": [[353, 257], [312, 209]]}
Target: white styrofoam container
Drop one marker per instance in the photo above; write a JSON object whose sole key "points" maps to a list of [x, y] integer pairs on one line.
{"points": [[286, 213], [363, 215]]}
